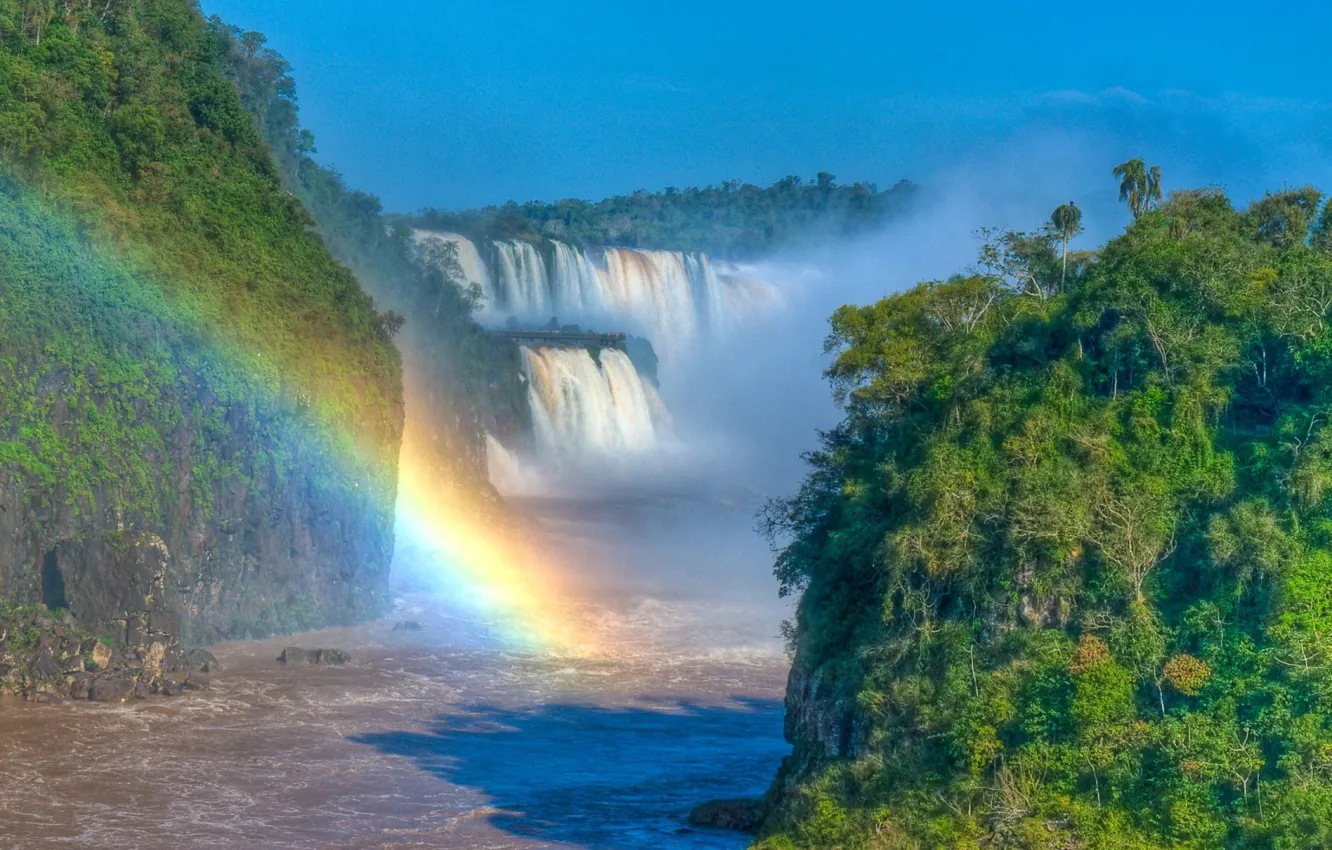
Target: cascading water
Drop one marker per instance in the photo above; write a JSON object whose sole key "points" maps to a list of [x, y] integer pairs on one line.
{"points": [[656, 286], [581, 408], [576, 281], [521, 274], [585, 414], [672, 296]]}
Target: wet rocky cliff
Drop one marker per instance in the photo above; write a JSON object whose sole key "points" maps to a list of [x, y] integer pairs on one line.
{"points": [[252, 529], [152, 465]]}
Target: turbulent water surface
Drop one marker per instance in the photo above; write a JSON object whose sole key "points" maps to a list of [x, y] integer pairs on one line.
{"points": [[427, 740], [443, 738]]}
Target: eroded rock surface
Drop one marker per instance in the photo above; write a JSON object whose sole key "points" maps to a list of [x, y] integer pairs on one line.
{"points": [[46, 659], [740, 815]]}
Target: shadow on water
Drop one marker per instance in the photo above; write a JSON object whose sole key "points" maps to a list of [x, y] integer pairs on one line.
{"points": [[598, 777]]}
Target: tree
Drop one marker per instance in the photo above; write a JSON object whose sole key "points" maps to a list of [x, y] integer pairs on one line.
{"points": [[1283, 219], [1067, 223], [1021, 262], [1139, 185], [440, 265]]}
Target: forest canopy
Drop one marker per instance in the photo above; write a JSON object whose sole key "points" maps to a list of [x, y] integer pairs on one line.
{"points": [[1065, 563], [734, 220]]}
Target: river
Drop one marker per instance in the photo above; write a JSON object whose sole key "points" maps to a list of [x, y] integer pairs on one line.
{"points": [[441, 738]]}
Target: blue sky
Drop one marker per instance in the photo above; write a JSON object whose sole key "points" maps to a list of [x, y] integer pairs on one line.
{"points": [[467, 102]]}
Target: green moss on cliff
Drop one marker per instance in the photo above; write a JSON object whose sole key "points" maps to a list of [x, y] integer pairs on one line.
{"points": [[124, 120]]}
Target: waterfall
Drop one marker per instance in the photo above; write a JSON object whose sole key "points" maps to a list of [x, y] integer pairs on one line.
{"points": [[577, 283], [581, 409], [524, 284], [474, 268], [671, 296], [654, 286]]}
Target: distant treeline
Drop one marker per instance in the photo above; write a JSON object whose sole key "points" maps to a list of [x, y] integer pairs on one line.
{"points": [[734, 220]]}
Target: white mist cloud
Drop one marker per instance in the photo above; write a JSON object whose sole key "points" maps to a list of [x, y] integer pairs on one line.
{"points": [[747, 406]]}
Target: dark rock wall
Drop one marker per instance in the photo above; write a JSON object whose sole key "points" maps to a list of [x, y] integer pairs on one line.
{"points": [[255, 527]]}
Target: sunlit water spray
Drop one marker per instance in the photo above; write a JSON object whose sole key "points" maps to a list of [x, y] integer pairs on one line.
{"points": [[478, 562]]}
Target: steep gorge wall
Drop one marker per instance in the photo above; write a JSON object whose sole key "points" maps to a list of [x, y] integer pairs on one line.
{"points": [[142, 468], [269, 546], [200, 409]]}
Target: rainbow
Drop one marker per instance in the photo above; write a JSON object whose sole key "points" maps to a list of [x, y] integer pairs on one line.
{"points": [[485, 567], [490, 569]]}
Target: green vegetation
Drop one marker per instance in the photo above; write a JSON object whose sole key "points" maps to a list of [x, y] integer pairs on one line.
{"points": [[120, 116], [466, 378], [1065, 564], [170, 328], [734, 220]]}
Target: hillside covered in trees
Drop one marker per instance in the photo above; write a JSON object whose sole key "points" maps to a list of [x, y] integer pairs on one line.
{"points": [[734, 221], [1065, 565], [200, 409], [463, 379]]}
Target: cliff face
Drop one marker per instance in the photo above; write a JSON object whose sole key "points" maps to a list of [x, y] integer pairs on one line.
{"points": [[461, 382], [142, 468], [270, 546], [200, 410]]}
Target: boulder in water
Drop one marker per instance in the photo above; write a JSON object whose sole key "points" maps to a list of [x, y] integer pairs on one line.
{"points": [[296, 655], [202, 660], [407, 626], [112, 689], [740, 815], [292, 655]]}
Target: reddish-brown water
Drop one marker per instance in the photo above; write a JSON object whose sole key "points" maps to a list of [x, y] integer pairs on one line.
{"points": [[430, 739]]}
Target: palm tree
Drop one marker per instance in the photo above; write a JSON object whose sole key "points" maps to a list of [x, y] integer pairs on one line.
{"points": [[1139, 185], [1153, 187], [1067, 223]]}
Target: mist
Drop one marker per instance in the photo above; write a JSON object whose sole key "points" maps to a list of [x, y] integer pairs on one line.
{"points": [[753, 402], [746, 406], [678, 522]]}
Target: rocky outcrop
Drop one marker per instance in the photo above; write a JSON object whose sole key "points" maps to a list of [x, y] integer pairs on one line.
{"points": [[821, 714], [45, 659], [740, 815], [821, 724]]}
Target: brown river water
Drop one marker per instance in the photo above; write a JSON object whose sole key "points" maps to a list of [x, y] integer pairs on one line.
{"points": [[438, 738], [447, 737]]}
